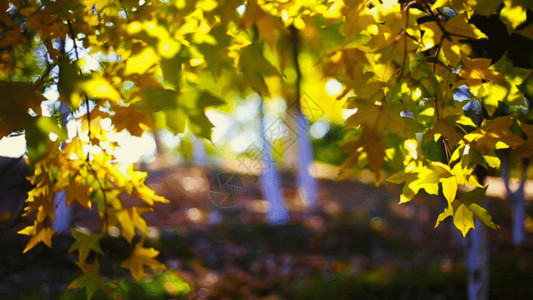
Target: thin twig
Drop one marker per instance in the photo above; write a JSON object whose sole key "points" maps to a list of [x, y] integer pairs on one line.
{"points": [[87, 107], [435, 17]]}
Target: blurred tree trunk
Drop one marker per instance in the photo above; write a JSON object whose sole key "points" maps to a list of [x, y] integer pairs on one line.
{"points": [[516, 198], [269, 180], [158, 144], [477, 259], [306, 183], [199, 155], [63, 213], [478, 263]]}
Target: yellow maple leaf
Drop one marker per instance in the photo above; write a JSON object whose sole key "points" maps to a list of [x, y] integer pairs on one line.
{"points": [[369, 148], [79, 192], [358, 18], [148, 195], [98, 87], [455, 29], [513, 14], [130, 218], [420, 176], [141, 62], [448, 211], [40, 233], [495, 134], [139, 258], [459, 177], [475, 72], [463, 219], [43, 204]]}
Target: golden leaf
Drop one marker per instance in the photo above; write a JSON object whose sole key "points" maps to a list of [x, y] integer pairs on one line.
{"points": [[79, 192], [140, 258], [40, 233]]}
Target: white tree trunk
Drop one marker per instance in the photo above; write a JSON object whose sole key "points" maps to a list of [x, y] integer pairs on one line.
{"points": [[63, 213], [306, 183], [517, 200], [478, 263], [199, 155], [269, 180], [519, 217]]}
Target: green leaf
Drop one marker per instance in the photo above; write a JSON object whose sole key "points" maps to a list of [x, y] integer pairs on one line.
{"points": [[473, 196], [157, 100], [90, 279], [488, 7], [68, 78], [207, 99], [200, 125], [175, 120], [172, 70], [483, 216], [471, 200], [255, 67], [37, 136], [195, 108], [84, 243], [400, 177]]}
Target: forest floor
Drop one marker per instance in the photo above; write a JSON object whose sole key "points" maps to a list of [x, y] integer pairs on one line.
{"points": [[358, 244]]}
